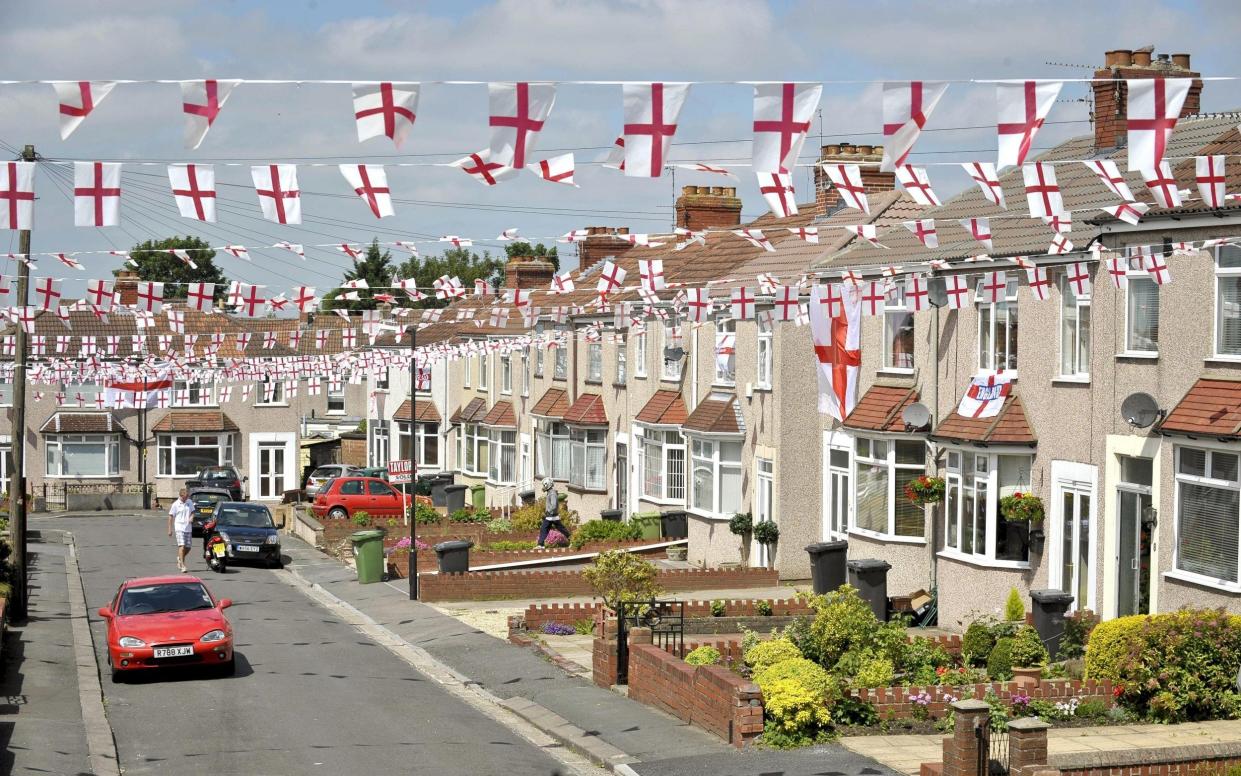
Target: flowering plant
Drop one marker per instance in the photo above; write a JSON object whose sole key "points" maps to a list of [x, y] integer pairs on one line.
{"points": [[921, 704], [1021, 507], [402, 546], [556, 539], [1021, 703], [558, 629], [925, 490]]}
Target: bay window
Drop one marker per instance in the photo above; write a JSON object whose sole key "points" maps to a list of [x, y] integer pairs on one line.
{"points": [[503, 468], [552, 449], [997, 331], [1208, 514], [763, 377], [587, 458], [182, 455], [716, 486], [1228, 301], [82, 455], [973, 526], [663, 464], [476, 450], [1074, 332], [884, 468], [594, 362], [898, 333]]}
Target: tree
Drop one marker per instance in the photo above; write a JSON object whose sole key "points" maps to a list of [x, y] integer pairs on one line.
{"points": [[376, 269], [155, 263], [539, 251], [458, 262]]}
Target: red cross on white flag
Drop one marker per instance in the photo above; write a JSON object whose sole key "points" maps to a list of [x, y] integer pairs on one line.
{"points": [[279, 196], [200, 297], [576, 235], [68, 261], [370, 182], [651, 274], [741, 303], [176, 322], [1042, 191], [150, 296], [756, 238], [184, 256], [202, 101], [193, 189], [1021, 107], [305, 299], [1060, 244], [1036, 278], [916, 293], [924, 230], [906, 107], [480, 167], [16, 194], [960, 295], [1129, 212], [483, 288], [611, 278], [518, 111], [698, 305], [1061, 224], [1162, 185], [847, 178], [704, 167], [385, 109], [985, 396], [782, 114], [777, 190], [837, 350], [1118, 271], [562, 284], [77, 100], [873, 298], [616, 155], [237, 252], [651, 111], [1209, 174], [250, 301], [918, 185], [48, 291], [1109, 174], [995, 287], [1078, 276], [557, 169], [979, 229], [983, 173], [96, 193], [457, 242], [786, 300], [1154, 104], [1157, 268], [868, 232], [809, 234], [292, 248]]}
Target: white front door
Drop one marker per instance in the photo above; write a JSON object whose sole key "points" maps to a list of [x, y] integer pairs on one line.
{"points": [[1072, 532], [837, 452], [272, 467], [764, 503], [525, 473]]}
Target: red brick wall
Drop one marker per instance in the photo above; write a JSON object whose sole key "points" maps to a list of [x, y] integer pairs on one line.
{"points": [[710, 697], [1111, 96], [1207, 766], [895, 700], [427, 559], [489, 585], [537, 615]]}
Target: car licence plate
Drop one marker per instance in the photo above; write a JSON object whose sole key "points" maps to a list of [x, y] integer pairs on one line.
{"points": [[247, 548], [181, 651]]}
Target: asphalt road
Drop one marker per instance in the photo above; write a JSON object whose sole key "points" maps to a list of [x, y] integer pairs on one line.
{"points": [[310, 694]]}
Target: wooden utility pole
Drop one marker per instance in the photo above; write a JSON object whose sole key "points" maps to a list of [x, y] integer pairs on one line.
{"points": [[17, 483]]}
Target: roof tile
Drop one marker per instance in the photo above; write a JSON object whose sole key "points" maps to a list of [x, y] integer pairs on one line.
{"points": [[665, 408], [82, 423], [554, 404], [194, 420], [501, 415], [588, 410], [1009, 427], [880, 408], [716, 414], [1211, 407], [425, 411]]}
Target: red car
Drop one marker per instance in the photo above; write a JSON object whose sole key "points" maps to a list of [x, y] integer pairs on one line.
{"points": [[159, 622], [341, 497]]}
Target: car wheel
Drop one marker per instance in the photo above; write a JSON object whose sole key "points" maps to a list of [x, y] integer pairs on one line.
{"points": [[118, 677], [275, 563], [338, 513]]}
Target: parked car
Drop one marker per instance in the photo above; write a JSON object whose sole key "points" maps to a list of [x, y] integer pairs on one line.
{"points": [[373, 471], [324, 473], [248, 531], [344, 496], [226, 477], [161, 622], [205, 501]]}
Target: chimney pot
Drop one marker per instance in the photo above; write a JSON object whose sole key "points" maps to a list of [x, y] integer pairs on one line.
{"points": [[847, 149], [1181, 61], [1109, 117], [877, 151], [830, 150], [717, 191], [730, 191], [622, 230], [864, 150], [706, 207], [1141, 59], [687, 189], [1109, 58], [1124, 57]]}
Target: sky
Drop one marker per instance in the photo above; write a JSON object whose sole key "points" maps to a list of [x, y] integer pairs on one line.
{"points": [[508, 40]]}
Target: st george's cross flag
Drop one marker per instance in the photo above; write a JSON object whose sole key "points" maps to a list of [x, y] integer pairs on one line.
{"points": [[985, 396], [837, 349]]}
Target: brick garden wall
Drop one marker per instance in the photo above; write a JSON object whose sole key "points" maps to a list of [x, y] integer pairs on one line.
{"points": [[710, 697], [494, 585], [538, 615], [895, 701], [427, 559]]}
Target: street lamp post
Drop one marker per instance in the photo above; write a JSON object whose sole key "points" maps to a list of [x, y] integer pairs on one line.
{"points": [[413, 521]]}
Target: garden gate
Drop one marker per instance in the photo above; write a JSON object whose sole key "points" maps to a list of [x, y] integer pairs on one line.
{"points": [[666, 619]]}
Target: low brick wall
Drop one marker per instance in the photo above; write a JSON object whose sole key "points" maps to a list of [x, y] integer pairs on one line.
{"points": [[710, 697], [427, 559], [496, 585], [566, 614], [1189, 760], [894, 701]]}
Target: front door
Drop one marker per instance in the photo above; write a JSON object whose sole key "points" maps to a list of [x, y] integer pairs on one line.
{"points": [[764, 511], [525, 473], [1133, 554], [837, 447], [622, 478], [271, 470], [1073, 534]]}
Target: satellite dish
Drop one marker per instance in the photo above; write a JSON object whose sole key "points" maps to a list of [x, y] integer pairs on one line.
{"points": [[1140, 410], [916, 415], [937, 292], [674, 354]]}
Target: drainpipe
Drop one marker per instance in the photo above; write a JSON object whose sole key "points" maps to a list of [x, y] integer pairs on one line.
{"points": [[934, 538]]}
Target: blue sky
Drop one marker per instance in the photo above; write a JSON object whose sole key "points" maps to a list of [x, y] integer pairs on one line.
{"points": [[691, 40]]}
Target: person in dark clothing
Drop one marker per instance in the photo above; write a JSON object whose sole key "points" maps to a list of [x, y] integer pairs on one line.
{"points": [[551, 512]]}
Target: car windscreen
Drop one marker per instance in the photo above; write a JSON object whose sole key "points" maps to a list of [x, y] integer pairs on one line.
{"points": [[208, 499], [171, 597], [218, 474], [245, 516], [324, 473]]}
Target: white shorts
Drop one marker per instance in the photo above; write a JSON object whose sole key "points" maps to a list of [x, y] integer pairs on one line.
{"points": [[183, 538]]}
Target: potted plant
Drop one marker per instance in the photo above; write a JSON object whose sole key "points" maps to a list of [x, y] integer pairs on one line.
{"points": [[742, 525], [767, 533], [925, 490], [1028, 656]]}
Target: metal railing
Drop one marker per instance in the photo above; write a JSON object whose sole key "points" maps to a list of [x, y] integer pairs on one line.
{"points": [[509, 496], [54, 493], [992, 751], [666, 619]]}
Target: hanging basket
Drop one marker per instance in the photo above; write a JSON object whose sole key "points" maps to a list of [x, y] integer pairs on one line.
{"points": [[1022, 508], [925, 490]]}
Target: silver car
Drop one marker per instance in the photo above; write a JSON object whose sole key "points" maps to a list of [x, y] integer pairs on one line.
{"points": [[321, 475]]}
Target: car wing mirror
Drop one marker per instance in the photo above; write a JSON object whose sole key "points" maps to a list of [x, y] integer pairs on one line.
{"points": [[105, 612], [225, 603]]}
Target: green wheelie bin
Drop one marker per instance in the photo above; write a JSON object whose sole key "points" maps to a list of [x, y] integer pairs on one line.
{"points": [[368, 553]]}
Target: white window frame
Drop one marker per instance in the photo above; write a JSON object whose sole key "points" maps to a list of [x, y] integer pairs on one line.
{"points": [[477, 443], [191, 387], [639, 355], [379, 449], [863, 455], [170, 442], [538, 361], [667, 445], [724, 328], [895, 307], [54, 445], [1223, 272], [88, 390], [506, 374], [423, 434], [484, 370], [672, 370], [622, 365], [990, 481], [467, 370], [560, 365], [1179, 479], [525, 372], [594, 362], [6, 393], [550, 436], [502, 469], [763, 361], [583, 440], [277, 394], [994, 327], [382, 379], [331, 397], [718, 510], [842, 496], [1079, 303]]}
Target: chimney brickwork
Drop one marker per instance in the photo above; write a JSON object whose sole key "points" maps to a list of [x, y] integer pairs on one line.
{"points": [[600, 242], [826, 198], [708, 207], [1111, 95]]}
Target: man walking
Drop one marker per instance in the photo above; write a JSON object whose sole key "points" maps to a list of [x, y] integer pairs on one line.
{"points": [[551, 512], [180, 515]]}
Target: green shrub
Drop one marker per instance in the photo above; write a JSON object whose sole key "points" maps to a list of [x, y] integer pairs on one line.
{"points": [[424, 514], [499, 525], [1077, 629], [852, 711], [741, 524], [801, 632], [766, 532], [805, 672], [1112, 644], [922, 657], [875, 671], [584, 626], [703, 656], [842, 621], [1092, 708], [794, 707], [767, 653], [1014, 608], [1000, 661], [1027, 649], [618, 576], [527, 518], [763, 608], [508, 545], [361, 519], [718, 608], [468, 515], [749, 640], [604, 531]]}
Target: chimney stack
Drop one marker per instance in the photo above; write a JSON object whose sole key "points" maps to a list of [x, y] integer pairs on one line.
{"points": [[867, 157], [126, 287], [528, 272], [707, 207], [600, 241], [1111, 95]]}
